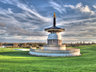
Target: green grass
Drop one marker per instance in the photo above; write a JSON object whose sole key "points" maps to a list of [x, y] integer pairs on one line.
{"points": [[19, 61]]}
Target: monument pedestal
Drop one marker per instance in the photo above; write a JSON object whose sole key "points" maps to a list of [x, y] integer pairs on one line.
{"points": [[55, 53], [55, 47]]}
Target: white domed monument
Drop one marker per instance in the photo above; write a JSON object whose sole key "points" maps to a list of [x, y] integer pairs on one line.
{"points": [[54, 45]]}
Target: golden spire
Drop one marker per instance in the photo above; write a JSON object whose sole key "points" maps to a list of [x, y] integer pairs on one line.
{"points": [[54, 15], [54, 20]]}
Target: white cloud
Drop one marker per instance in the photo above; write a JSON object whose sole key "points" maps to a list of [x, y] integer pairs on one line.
{"points": [[10, 10], [26, 25], [2, 31], [81, 8], [7, 1], [15, 27], [57, 6], [75, 21], [70, 6], [79, 5], [36, 37], [94, 6], [87, 9], [26, 8]]}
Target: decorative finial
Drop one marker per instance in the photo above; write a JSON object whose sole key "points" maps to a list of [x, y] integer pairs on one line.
{"points": [[54, 20], [54, 15]]}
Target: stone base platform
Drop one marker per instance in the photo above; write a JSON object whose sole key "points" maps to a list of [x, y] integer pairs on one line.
{"points": [[55, 53], [54, 47]]}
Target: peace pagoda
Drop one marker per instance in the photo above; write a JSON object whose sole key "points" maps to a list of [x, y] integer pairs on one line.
{"points": [[54, 45]]}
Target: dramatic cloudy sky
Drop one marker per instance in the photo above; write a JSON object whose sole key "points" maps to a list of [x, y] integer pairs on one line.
{"points": [[25, 20]]}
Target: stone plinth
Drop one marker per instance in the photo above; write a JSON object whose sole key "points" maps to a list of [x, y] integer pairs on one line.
{"points": [[55, 47], [55, 53]]}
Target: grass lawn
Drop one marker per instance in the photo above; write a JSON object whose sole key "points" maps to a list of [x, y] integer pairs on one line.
{"points": [[19, 61]]}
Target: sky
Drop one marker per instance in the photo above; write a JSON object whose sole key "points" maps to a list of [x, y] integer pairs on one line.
{"points": [[25, 20]]}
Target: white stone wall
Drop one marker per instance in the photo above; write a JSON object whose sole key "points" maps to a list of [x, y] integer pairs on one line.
{"points": [[54, 54], [55, 48], [54, 42], [54, 35], [54, 38]]}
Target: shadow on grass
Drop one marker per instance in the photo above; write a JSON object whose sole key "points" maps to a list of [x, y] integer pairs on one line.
{"points": [[16, 53], [20, 54], [26, 54]]}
